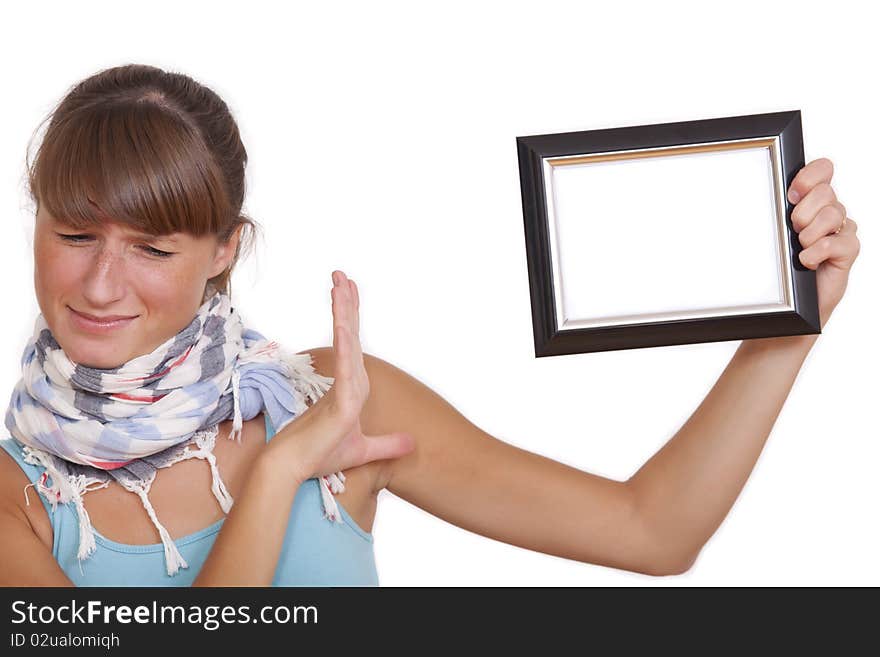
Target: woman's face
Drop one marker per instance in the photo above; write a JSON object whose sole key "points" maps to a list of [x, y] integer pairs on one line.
{"points": [[112, 271]]}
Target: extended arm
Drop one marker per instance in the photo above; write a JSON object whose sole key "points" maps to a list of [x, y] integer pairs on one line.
{"points": [[462, 474], [654, 523], [687, 488]]}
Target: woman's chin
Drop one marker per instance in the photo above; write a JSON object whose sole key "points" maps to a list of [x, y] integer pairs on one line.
{"points": [[97, 364], [100, 358]]}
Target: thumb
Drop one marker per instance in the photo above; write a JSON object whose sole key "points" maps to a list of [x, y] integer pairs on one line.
{"points": [[389, 445]]}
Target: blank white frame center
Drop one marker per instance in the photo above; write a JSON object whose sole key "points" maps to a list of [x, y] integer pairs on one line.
{"points": [[668, 233]]}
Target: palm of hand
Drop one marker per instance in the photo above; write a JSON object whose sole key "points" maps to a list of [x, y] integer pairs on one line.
{"points": [[330, 434]]}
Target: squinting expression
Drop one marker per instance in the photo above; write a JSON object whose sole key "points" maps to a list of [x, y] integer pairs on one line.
{"points": [[155, 283]]}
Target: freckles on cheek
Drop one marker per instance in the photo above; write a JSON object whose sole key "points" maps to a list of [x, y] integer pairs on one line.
{"points": [[52, 269], [174, 286]]}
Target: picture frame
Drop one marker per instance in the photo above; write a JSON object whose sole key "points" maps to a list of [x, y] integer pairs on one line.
{"points": [[664, 234]]}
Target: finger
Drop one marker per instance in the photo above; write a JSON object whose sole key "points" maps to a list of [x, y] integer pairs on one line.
{"points": [[840, 250], [351, 315], [346, 368], [817, 171], [350, 358], [818, 197], [828, 220], [341, 341], [350, 365], [342, 298], [352, 305], [357, 306], [353, 321], [336, 302], [354, 290]]}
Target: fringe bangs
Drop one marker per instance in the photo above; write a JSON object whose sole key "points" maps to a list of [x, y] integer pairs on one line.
{"points": [[133, 161]]}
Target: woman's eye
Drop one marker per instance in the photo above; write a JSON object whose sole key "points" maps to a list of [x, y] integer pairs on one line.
{"points": [[72, 238], [157, 252], [148, 249]]}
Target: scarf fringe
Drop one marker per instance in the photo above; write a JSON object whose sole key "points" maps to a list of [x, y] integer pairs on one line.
{"points": [[70, 488], [332, 483], [57, 486], [237, 422], [174, 561], [305, 379], [205, 441]]}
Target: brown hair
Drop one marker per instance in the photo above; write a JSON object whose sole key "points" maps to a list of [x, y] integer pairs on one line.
{"points": [[153, 149]]}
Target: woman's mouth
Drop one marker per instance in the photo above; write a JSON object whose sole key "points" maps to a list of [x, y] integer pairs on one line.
{"points": [[98, 324]]}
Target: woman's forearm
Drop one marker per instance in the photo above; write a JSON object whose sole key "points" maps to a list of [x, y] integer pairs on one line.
{"points": [[247, 548], [686, 489]]}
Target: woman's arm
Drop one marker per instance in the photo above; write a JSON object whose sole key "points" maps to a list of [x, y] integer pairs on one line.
{"points": [[462, 474], [247, 548], [687, 488], [24, 558], [654, 523]]}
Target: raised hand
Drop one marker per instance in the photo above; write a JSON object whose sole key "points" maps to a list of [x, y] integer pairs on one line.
{"points": [[328, 438]]}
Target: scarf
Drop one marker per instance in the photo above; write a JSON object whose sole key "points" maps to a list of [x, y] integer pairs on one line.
{"points": [[89, 426]]}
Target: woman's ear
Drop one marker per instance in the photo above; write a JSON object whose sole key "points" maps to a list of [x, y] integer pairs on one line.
{"points": [[225, 252]]}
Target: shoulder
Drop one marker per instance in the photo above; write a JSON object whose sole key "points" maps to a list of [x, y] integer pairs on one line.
{"points": [[381, 373], [324, 362], [387, 381], [393, 394], [13, 481], [12, 478], [27, 533]]}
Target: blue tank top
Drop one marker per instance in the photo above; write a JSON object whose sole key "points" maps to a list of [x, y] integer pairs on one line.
{"points": [[315, 552]]}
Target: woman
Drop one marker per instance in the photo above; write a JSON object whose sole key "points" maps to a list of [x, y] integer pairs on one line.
{"points": [[139, 361]]}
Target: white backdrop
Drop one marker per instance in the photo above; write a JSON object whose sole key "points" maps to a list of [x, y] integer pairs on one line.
{"points": [[381, 139]]}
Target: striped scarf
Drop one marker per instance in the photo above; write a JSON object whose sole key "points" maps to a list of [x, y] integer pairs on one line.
{"points": [[88, 426]]}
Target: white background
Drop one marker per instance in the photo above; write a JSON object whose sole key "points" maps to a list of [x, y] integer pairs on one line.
{"points": [[382, 141]]}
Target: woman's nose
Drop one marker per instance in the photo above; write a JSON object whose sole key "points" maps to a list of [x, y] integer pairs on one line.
{"points": [[105, 279]]}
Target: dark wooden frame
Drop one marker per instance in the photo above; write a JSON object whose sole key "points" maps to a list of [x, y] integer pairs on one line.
{"points": [[549, 340]]}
